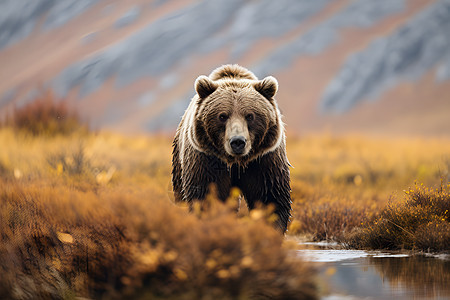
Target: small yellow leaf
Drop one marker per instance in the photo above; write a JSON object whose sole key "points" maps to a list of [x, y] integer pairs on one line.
{"points": [[180, 274], [17, 173], [256, 214], [211, 263], [170, 256], [65, 237], [223, 274], [246, 261], [59, 169]]}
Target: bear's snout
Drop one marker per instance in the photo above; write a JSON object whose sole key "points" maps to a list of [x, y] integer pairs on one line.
{"points": [[237, 144], [237, 138]]}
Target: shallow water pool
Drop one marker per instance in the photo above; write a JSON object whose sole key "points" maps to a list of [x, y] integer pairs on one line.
{"points": [[357, 274]]}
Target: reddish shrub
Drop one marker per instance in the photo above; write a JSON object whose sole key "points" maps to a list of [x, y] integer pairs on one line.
{"points": [[45, 116]]}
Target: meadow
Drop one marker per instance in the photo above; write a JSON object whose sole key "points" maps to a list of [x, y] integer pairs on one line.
{"points": [[91, 214]]}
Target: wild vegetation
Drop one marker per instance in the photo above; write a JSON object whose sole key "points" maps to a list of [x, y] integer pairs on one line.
{"points": [[421, 221], [90, 215], [45, 115], [87, 214], [345, 187]]}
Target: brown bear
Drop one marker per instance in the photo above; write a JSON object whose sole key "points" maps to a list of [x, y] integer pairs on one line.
{"points": [[232, 135]]}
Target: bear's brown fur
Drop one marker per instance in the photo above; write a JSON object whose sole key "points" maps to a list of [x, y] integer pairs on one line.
{"points": [[232, 135]]}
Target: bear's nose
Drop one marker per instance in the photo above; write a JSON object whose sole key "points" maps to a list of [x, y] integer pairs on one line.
{"points": [[237, 143]]}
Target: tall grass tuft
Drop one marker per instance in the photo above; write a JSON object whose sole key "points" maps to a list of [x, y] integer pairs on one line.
{"points": [[320, 215]]}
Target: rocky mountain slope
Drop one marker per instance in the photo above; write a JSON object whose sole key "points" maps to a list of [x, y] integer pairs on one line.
{"points": [[343, 66]]}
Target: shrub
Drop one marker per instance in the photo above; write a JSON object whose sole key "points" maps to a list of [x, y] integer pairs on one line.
{"points": [[327, 221], [74, 163], [57, 242], [421, 222], [326, 216], [45, 116], [433, 236]]}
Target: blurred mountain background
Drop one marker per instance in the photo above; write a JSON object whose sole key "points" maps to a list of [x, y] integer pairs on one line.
{"points": [[364, 66]]}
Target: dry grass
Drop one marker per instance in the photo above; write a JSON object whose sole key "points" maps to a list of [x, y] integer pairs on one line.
{"points": [[420, 221], [340, 184], [90, 215], [58, 242]]}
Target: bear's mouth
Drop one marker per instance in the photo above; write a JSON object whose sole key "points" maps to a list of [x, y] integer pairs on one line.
{"points": [[239, 155], [234, 161], [237, 159]]}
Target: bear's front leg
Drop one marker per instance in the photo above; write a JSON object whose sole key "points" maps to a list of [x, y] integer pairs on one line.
{"points": [[268, 181], [200, 171]]}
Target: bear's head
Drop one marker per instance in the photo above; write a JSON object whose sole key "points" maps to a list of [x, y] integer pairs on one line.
{"points": [[237, 119]]}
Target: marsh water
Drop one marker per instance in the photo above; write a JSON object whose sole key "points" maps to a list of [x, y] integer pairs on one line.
{"points": [[357, 274]]}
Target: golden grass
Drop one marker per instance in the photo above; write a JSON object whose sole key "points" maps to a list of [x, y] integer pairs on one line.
{"points": [[58, 242], [343, 183], [91, 215], [420, 221]]}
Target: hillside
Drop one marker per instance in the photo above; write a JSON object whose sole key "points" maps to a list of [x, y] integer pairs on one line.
{"points": [[343, 66]]}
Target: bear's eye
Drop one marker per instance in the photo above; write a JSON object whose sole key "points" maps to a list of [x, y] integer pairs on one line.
{"points": [[223, 117], [249, 117]]}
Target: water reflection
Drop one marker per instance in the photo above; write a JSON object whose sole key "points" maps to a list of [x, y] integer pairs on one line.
{"points": [[350, 274], [427, 276]]}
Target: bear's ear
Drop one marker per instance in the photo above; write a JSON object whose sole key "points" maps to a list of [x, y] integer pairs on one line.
{"points": [[267, 87], [205, 86]]}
